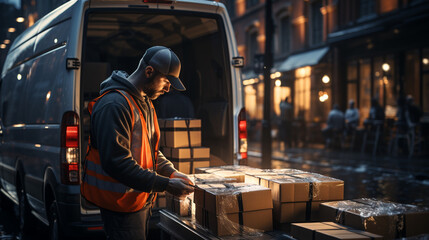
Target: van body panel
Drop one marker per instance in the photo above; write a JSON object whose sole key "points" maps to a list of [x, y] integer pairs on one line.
{"points": [[37, 88]]}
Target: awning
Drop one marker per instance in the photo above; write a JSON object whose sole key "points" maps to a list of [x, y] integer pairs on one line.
{"points": [[308, 58]]}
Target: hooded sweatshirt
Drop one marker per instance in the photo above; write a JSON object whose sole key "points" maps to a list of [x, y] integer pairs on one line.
{"points": [[111, 123]]}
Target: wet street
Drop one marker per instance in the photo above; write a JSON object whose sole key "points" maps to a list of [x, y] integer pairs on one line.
{"points": [[396, 179]]}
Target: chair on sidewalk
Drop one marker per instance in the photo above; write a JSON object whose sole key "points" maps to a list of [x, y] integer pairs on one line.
{"points": [[399, 133], [373, 135]]}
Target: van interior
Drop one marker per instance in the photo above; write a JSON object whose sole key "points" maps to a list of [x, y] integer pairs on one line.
{"points": [[116, 40]]}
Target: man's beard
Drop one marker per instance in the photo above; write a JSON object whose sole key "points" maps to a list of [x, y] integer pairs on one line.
{"points": [[150, 90]]}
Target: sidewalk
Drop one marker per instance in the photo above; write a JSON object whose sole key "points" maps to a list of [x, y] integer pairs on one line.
{"points": [[397, 179]]}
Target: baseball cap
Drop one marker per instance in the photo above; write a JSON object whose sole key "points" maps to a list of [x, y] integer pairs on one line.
{"points": [[166, 62]]}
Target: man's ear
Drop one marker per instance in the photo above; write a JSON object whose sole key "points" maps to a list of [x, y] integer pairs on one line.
{"points": [[149, 71]]}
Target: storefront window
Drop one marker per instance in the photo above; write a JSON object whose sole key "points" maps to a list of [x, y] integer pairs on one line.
{"points": [[384, 84], [412, 76], [425, 59], [425, 92], [425, 87], [302, 92], [364, 88], [352, 79]]}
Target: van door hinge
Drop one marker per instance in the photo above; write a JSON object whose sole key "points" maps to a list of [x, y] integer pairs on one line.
{"points": [[238, 62], [73, 63]]}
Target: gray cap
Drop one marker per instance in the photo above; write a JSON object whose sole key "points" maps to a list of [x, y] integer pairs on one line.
{"points": [[166, 62]]}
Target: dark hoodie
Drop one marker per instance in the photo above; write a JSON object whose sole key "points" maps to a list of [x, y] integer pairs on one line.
{"points": [[111, 123]]}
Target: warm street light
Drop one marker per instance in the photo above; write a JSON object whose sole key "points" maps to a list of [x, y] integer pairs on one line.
{"points": [[385, 67], [2, 46], [278, 83], [425, 61], [20, 19], [6, 41], [326, 79], [11, 30]]}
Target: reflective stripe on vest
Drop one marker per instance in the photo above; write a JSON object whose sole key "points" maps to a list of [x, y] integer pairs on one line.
{"points": [[104, 191]]}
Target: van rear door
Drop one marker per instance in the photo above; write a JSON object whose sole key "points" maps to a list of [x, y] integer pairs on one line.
{"points": [[117, 33]]}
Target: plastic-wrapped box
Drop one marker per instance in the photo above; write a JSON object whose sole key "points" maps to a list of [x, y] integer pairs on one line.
{"points": [[180, 206], [328, 231], [298, 197], [392, 220], [177, 133], [187, 159], [206, 178], [228, 209]]}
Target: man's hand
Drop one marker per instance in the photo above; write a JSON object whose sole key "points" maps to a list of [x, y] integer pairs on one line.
{"points": [[180, 175], [179, 187]]}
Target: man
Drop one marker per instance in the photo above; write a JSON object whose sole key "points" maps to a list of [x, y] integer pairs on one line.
{"points": [[286, 116], [335, 124], [352, 116], [124, 168]]}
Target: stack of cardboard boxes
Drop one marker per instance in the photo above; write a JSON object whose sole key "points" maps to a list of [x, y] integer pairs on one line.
{"points": [[229, 209], [181, 144]]}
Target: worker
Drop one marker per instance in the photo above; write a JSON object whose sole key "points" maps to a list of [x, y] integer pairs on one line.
{"points": [[124, 168]]}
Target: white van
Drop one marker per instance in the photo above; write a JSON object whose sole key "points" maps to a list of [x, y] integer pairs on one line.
{"points": [[55, 68]]}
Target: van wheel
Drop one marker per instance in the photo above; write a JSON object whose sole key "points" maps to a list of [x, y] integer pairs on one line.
{"points": [[55, 232]]}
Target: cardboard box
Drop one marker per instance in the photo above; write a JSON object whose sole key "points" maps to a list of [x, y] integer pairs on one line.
{"points": [[178, 133], [187, 159], [239, 176], [391, 220], [307, 230], [323, 188], [237, 198], [328, 231], [189, 167], [186, 154], [207, 178], [180, 206], [287, 188], [289, 212], [235, 223], [345, 234]]}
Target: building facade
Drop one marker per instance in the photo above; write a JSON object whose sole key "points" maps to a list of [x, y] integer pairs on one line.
{"points": [[331, 51]]}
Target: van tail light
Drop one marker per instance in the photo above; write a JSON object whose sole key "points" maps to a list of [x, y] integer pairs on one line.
{"points": [[242, 137], [70, 149]]}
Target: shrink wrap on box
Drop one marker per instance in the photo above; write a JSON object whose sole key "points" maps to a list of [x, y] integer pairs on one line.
{"points": [[391, 220]]}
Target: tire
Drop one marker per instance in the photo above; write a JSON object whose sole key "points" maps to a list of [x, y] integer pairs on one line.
{"points": [[55, 232]]}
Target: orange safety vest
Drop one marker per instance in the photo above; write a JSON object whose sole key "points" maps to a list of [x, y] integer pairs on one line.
{"points": [[106, 192]]}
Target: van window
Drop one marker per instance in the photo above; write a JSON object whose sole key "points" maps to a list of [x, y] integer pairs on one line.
{"points": [[117, 40]]}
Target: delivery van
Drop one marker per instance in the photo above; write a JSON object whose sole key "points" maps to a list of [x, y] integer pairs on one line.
{"points": [[55, 67]]}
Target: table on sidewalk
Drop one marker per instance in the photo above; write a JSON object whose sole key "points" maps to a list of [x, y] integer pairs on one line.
{"points": [[185, 228]]}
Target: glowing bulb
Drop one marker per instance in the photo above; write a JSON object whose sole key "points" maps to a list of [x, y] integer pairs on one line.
{"points": [[11, 30], [6, 41], [2, 46], [385, 67], [425, 61], [20, 19], [55, 40], [278, 83], [19, 76], [326, 79], [278, 74]]}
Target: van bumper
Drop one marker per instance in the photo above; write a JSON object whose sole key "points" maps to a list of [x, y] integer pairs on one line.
{"points": [[77, 225]]}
